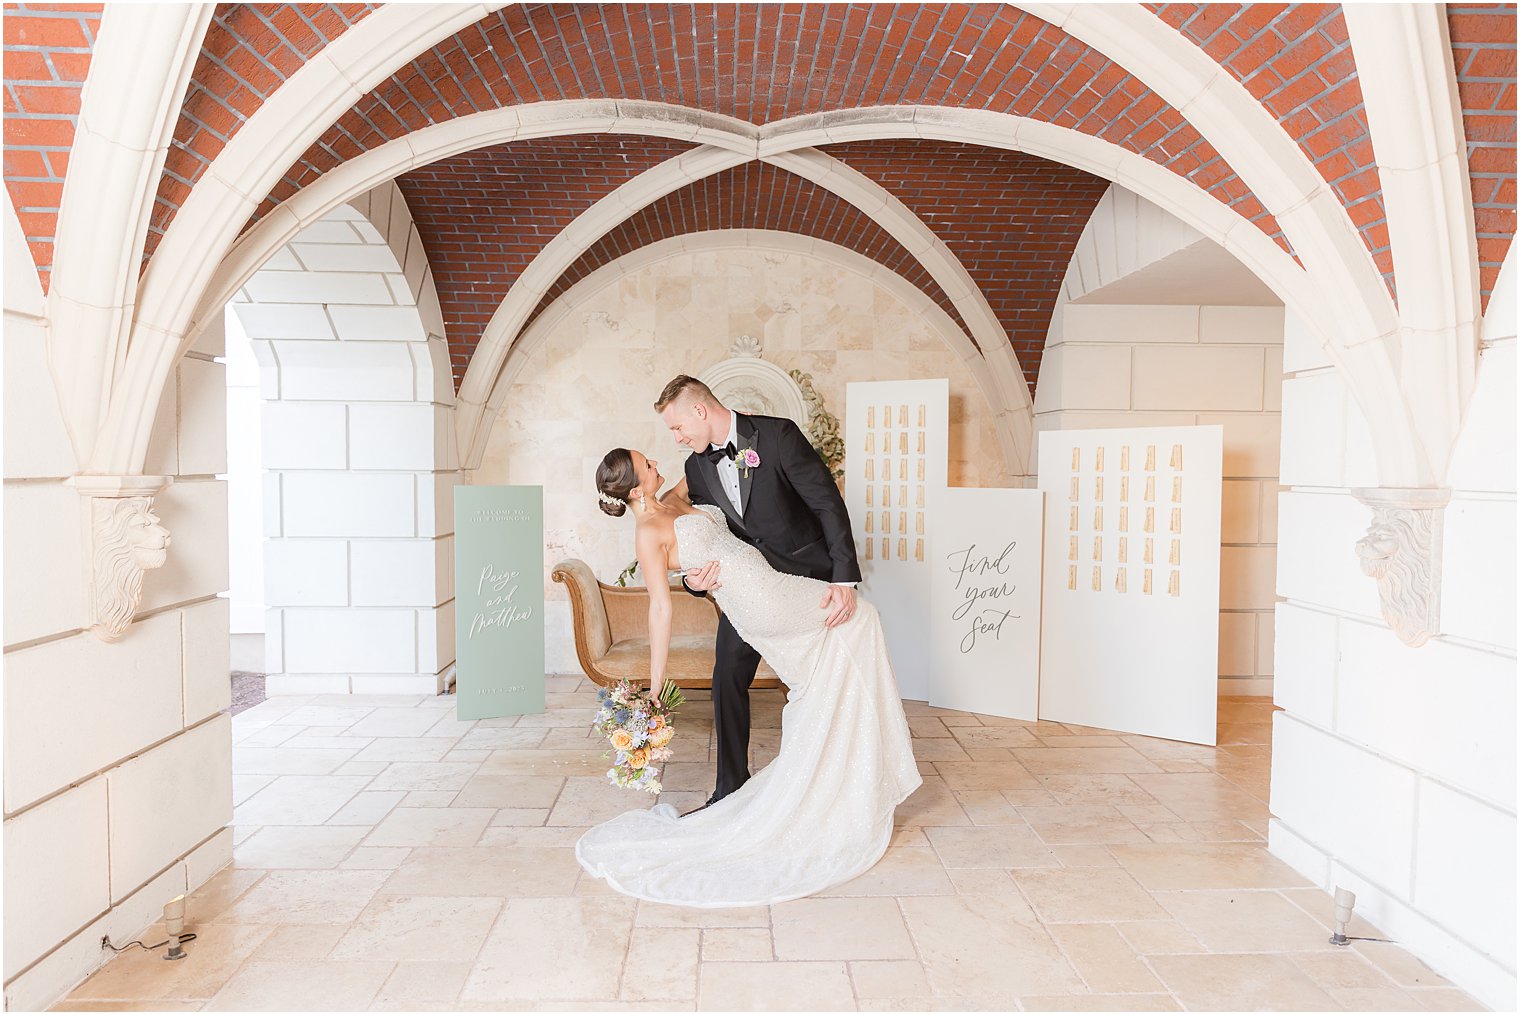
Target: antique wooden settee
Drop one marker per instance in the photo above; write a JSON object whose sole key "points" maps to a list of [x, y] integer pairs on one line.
{"points": [[612, 631]]}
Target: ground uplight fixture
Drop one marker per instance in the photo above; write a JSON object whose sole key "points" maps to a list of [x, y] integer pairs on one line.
{"points": [[1345, 902], [174, 923]]}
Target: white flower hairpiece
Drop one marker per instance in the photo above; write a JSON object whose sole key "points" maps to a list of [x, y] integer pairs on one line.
{"points": [[607, 498]]}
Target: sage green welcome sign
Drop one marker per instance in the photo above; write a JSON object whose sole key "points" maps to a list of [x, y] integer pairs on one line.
{"points": [[499, 600]]}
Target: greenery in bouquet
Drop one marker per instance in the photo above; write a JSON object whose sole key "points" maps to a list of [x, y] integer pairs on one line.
{"points": [[639, 727]]}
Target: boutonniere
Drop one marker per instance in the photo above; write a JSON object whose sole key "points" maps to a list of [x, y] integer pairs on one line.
{"points": [[746, 459]]}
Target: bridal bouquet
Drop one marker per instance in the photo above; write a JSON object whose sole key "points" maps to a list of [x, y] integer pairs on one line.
{"points": [[638, 726]]}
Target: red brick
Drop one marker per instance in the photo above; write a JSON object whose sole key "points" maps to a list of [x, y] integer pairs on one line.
{"points": [[54, 99], [1491, 63], [23, 65], [53, 33], [26, 132], [71, 66], [20, 162]]}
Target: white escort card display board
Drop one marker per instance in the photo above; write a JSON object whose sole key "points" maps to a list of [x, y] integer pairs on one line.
{"points": [[897, 450], [1131, 611], [984, 601]]}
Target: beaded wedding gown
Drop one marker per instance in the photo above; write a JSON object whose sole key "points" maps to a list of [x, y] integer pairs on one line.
{"points": [[821, 812]]}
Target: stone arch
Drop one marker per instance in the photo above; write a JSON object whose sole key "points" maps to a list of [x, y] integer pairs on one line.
{"points": [[991, 360], [126, 120], [536, 443], [910, 295], [1105, 253], [359, 454], [1177, 71], [741, 142], [23, 289]]}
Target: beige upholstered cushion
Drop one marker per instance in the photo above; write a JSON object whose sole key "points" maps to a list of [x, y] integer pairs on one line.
{"points": [[690, 663]]}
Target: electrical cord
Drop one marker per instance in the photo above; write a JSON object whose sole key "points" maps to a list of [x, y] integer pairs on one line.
{"points": [[106, 941]]}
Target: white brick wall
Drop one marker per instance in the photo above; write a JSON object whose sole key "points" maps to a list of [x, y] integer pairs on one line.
{"points": [[1122, 366], [1393, 768], [358, 438]]}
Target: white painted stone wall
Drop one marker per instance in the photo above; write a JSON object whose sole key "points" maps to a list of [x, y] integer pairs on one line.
{"points": [[1156, 325], [1125, 366], [245, 482], [361, 457], [118, 786], [602, 356], [1393, 768]]}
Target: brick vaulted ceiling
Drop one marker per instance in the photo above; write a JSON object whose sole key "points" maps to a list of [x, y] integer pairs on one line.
{"points": [[248, 52], [484, 215], [767, 62], [1012, 219], [763, 63], [1483, 53], [47, 54]]}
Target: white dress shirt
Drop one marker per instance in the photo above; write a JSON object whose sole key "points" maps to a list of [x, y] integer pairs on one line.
{"points": [[728, 468]]}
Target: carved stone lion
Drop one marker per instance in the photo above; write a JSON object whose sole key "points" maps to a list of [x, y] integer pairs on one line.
{"points": [[1396, 551], [128, 542]]}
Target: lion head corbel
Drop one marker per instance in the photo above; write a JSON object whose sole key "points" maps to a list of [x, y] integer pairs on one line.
{"points": [[124, 541], [1401, 552]]}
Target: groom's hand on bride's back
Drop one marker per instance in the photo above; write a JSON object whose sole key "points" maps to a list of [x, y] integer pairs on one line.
{"points": [[839, 600], [704, 578]]}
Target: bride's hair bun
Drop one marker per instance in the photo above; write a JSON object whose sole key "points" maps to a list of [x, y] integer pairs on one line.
{"points": [[615, 479]]}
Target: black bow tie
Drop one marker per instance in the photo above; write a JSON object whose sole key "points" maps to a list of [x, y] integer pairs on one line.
{"points": [[716, 455]]}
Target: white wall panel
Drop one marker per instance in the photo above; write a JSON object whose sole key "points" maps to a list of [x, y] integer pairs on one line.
{"points": [[130, 695], [166, 801], [1465, 869], [1352, 803], [43, 537], [65, 836]]}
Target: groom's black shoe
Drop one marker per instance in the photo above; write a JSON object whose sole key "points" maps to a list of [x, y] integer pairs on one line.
{"points": [[710, 801]]}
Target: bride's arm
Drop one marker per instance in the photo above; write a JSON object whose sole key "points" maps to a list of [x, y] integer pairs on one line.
{"points": [[653, 562], [678, 491]]}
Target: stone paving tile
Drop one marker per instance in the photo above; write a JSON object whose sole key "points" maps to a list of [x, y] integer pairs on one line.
{"points": [[390, 857]]}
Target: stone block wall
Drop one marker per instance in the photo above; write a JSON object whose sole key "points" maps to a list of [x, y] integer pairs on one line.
{"points": [[118, 764], [360, 457], [1135, 366], [1393, 768]]}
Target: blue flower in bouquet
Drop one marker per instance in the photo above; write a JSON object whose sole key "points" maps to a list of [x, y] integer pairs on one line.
{"points": [[638, 729]]}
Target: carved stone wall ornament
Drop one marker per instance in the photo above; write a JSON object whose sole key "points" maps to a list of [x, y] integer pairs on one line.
{"points": [[748, 383], [746, 345], [823, 425], [124, 540], [1402, 551]]}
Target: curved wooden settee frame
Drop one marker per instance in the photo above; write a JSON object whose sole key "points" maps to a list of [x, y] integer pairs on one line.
{"points": [[612, 631]]}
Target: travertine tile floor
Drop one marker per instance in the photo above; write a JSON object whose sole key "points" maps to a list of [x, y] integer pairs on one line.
{"points": [[392, 858]]}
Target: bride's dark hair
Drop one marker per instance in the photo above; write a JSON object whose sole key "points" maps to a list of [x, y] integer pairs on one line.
{"points": [[615, 479]]}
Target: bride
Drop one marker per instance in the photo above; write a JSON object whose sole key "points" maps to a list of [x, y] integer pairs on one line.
{"points": [[821, 812]]}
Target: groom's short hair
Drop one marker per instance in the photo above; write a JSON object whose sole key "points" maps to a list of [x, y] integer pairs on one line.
{"points": [[683, 385]]}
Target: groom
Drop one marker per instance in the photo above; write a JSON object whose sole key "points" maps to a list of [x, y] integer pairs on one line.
{"points": [[779, 497]]}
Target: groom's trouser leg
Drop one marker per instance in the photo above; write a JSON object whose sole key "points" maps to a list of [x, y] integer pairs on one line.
{"points": [[733, 673]]}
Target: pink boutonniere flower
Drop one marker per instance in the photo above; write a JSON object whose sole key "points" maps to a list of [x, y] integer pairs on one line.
{"points": [[749, 458]]}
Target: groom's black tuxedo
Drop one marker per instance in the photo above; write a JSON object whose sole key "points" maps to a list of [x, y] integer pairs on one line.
{"points": [[791, 511]]}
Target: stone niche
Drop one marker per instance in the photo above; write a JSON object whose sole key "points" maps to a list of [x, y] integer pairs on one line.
{"points": [[611, 345]]}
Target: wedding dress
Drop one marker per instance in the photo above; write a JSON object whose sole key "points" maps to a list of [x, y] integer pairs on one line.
{"points": [[821, 812]]}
